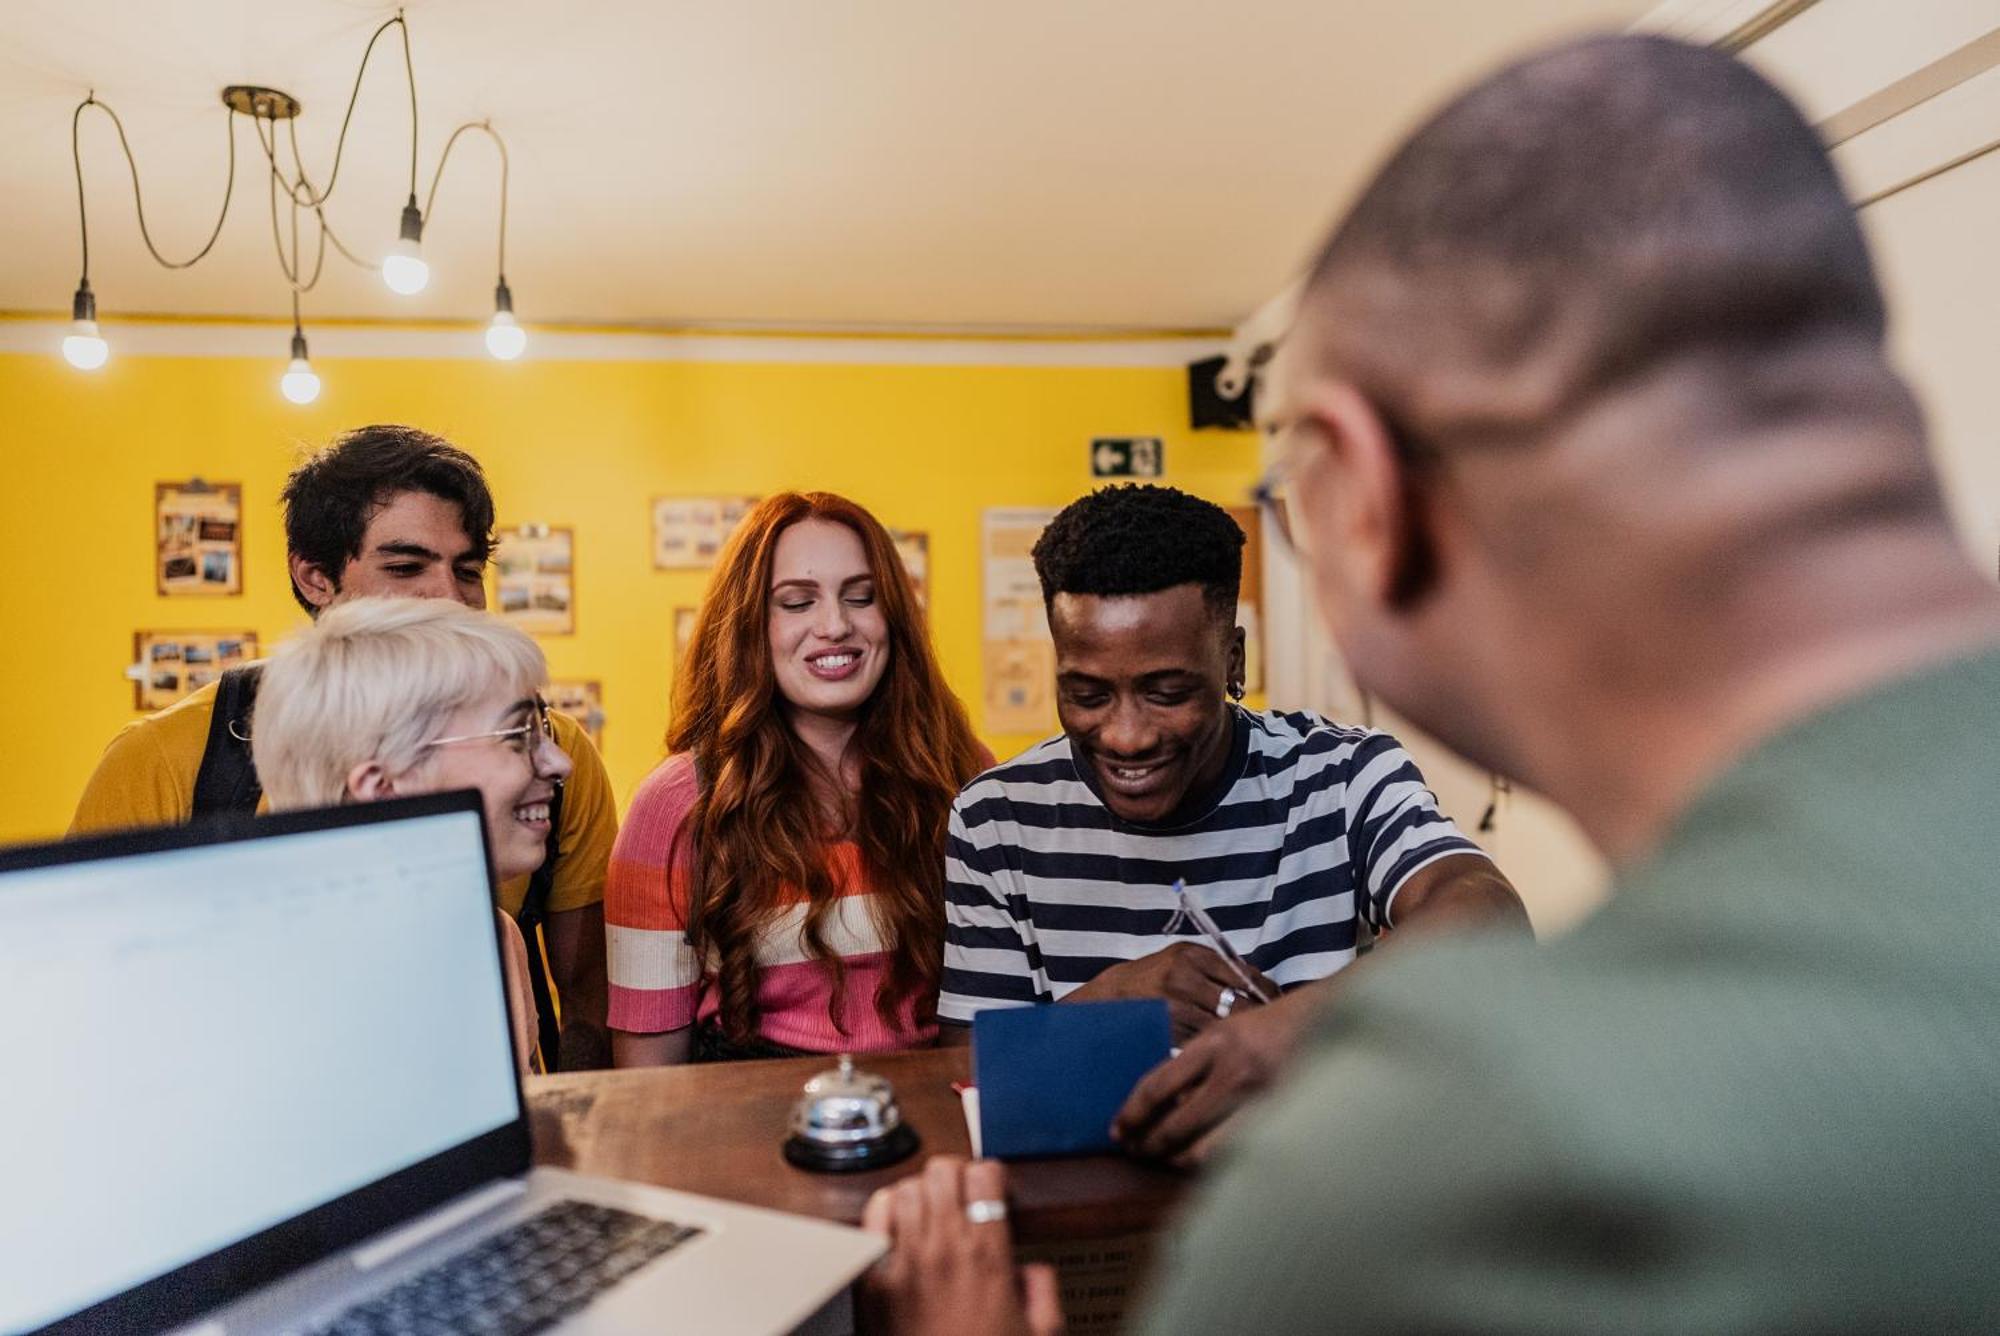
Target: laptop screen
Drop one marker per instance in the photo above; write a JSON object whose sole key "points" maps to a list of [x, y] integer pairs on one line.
{"points": [[214, 1039]]}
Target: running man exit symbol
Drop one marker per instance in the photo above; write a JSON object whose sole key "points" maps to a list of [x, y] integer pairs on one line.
{"points": [[1127, 457]]}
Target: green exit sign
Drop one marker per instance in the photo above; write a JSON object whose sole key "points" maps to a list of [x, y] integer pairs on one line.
{"points": [[1127, 457]]}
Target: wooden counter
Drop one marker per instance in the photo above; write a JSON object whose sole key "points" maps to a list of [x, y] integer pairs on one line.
{"points": [[717, 1129]]}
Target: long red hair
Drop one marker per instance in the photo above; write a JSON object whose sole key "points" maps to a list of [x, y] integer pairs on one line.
{"points": [[759, 823]]}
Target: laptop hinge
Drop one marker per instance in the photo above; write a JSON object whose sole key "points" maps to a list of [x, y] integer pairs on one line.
{"points": [[397, 1242]]}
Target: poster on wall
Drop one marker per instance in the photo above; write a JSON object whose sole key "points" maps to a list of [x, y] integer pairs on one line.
{"points": [[1018, 656], [1250, 595], [914, 546], [198, 538], [583, 701], [167, 665], [689, 531], [532, 574]]}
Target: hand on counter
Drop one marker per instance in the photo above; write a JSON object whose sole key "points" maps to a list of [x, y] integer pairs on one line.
{"points": [[1179, 1110], [947, 1274], [1190, 977]]}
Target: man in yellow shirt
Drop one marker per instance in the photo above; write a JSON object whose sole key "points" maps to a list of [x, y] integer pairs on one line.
{"points": [[384, 510]]}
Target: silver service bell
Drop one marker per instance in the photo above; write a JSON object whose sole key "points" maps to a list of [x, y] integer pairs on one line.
{"points": [[847, 1120]]}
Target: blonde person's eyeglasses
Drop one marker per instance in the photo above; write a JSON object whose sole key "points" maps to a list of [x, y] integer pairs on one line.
{"points": [[525, 739]]}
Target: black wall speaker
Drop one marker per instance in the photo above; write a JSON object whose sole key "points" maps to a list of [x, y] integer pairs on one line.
{"points": [[1206, 405]]}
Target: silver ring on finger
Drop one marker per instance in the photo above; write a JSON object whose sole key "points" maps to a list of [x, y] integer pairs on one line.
{"points": [[988, 1211], [1226, 1002]]}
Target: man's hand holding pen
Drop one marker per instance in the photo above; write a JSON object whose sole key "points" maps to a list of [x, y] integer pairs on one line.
{"points": [[1200, 987]]}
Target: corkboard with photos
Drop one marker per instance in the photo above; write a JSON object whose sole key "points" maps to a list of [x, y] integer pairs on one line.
{"points": [[198, 538], [168, 665], [582, 699], [534, 579], [689, 532]]}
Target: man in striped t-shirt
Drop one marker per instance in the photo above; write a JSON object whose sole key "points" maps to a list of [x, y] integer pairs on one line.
{"points": [[1296, 836]]}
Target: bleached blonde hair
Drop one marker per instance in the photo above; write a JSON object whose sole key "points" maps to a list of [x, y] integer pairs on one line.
{"points": [[373, 680]]}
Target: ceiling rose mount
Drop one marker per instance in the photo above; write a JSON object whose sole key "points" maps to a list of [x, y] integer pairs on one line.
{"points": [[263, 103]]}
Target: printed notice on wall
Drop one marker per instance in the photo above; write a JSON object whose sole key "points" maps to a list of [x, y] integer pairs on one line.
{"points": [[533, 579], [689, 531], [1019, 657], [199, 538]]}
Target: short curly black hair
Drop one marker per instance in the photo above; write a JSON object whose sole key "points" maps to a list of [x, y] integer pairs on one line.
{"points": [[1140, 539], [330, 498]]}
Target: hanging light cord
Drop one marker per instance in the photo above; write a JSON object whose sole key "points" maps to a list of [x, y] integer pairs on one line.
{"points": [[410, 77], [299, 190], [313, 199], [291, 268], [277, 177], [445, 157], [298, 186], [326, 229], [138, 195], [292, 187]]}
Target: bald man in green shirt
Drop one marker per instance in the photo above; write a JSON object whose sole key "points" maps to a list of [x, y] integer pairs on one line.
{"points": [[1586, 436]]}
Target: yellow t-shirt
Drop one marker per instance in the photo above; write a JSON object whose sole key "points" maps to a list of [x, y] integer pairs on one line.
{"points": [[146, 778]]}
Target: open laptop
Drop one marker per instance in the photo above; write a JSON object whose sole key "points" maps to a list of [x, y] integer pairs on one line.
{"points": [[257, 1078]]}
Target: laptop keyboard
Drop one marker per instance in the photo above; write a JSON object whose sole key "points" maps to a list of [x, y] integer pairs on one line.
{"points": [[525, 1278]]}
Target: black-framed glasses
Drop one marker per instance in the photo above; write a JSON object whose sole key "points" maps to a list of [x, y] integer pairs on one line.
{"points": [[524, 738], [1272, 492]]}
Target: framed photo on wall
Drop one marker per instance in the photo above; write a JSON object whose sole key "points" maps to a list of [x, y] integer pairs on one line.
{"points": [[533, 579], [914, 545], [583, 701], [198, 538], [689, 531], [167, 665]]}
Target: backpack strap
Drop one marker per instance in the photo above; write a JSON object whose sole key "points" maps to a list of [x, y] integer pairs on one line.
{"points": [[534, 911], [227, 780]]}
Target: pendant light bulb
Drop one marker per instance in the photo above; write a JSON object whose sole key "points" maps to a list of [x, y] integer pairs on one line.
{"points": [[300, 383], [83, 347], [505, 338], [403, 269]]}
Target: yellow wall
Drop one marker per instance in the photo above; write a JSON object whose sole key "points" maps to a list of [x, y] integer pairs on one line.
{"points": [[585, 444]]}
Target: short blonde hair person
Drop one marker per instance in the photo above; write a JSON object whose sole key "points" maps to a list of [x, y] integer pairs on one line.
{"points": [[374, 680]]}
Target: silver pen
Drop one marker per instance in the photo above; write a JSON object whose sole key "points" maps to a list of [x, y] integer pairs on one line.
{"points": [[1190, 912]]}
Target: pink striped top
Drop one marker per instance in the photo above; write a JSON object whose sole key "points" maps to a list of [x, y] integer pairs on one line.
{"points": [[656, 980]]}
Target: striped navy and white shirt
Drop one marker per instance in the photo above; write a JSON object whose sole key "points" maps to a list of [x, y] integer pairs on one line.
{"points": [[1311, 831]]}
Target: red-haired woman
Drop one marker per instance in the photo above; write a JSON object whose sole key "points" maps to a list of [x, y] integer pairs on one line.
{"points": [[778, 884]]}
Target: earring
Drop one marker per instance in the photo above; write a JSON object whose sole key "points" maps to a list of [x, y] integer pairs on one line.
{"points": [[1236, 691]]}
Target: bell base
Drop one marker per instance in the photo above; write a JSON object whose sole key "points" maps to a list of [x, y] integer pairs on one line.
{"points": [[895, 1147]]}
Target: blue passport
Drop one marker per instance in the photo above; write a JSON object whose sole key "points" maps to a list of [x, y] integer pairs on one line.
{"points": [[1051, 1078]]}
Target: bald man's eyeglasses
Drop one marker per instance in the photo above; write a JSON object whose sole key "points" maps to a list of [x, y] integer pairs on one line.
{"points": [[1272, 494]]}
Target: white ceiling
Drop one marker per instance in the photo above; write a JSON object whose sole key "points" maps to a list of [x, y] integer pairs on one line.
{"points": [[1042, 164]]}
